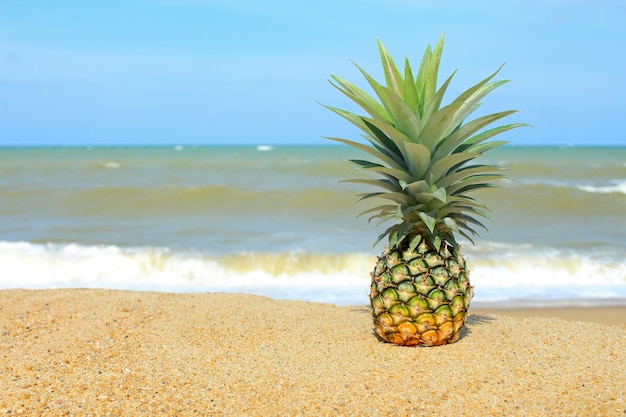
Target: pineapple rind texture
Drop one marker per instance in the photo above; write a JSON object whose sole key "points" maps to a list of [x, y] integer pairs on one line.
{"points": [[420, 296]]}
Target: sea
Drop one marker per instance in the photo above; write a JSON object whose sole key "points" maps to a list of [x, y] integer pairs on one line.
{"points": [[277, 221]]}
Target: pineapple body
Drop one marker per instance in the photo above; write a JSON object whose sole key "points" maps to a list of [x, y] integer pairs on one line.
{"points": [[420, 296]]}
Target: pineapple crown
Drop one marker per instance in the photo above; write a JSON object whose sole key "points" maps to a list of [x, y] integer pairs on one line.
{"points": [[423, 151]]}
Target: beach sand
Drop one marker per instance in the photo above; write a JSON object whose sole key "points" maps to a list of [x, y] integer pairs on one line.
{"points": [[123, 353]]}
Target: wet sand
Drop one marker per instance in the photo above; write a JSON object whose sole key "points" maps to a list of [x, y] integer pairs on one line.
{"points": [[605, 315], [122, 353]]}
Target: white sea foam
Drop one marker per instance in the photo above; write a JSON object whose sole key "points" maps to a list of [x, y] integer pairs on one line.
{"points": [[507, 274], [613, 186], [36, 266], [617, 187], [112, 165]]}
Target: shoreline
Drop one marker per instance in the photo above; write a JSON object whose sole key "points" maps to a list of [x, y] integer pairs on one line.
{"points": [[606, 311], [613, 315], [110, 352]]}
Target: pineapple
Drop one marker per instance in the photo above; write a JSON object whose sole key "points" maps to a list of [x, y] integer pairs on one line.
{"points": [[420, 290]]}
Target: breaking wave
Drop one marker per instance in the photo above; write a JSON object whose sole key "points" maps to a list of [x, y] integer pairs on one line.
{"points": [[499, 272]]}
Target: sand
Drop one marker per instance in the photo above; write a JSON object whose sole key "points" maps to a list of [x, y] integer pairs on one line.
{"points": [[121, 353]]}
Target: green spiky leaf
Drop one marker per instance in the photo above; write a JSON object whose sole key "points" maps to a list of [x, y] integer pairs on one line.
{"points": [[418, 159], [414, 242], [428, 220]]}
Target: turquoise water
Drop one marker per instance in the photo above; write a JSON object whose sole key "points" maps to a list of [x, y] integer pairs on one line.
{"points": [[276, 221]]}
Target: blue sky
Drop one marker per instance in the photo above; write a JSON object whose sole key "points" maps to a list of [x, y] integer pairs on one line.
{"points": [[252, 72]]}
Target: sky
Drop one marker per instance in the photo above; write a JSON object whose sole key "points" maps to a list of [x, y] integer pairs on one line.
{"points": [[244, 72]]}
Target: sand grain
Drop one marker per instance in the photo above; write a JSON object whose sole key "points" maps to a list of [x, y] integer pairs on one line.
{"points": [[106, 353]]}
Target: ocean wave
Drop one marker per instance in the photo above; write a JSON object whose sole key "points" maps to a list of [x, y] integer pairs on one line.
{"points": [[499, 272], [616, 187], [176, 201], [606, 187]]}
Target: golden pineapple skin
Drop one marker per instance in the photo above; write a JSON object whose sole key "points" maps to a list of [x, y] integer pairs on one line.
{"points": [[420, 296]]}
